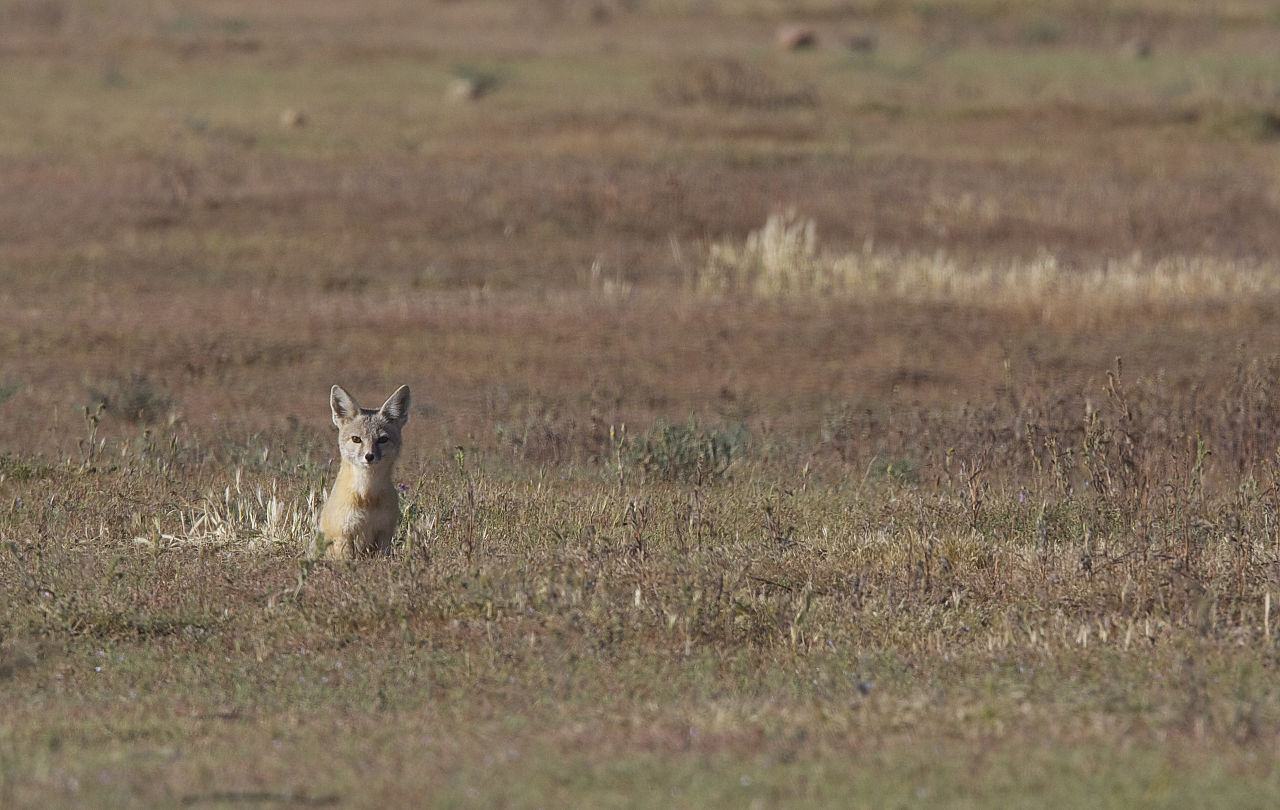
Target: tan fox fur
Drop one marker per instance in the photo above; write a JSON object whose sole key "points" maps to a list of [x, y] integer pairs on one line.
{"points": [[363, 508]]}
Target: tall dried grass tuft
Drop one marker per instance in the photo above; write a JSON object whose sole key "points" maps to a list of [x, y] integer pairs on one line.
{"points": [[782, 259]]}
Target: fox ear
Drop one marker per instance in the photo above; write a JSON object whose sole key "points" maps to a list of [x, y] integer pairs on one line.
{"points": [[343, 405], [396, 408]]}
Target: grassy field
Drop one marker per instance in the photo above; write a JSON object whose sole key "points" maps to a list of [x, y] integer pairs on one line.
{"points": [[886, 423]]}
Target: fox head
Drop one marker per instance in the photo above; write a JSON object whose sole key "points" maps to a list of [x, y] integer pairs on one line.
{"points": [[368, 438]]}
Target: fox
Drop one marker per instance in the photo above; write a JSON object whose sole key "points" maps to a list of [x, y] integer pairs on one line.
{"points": [[363, 508]]}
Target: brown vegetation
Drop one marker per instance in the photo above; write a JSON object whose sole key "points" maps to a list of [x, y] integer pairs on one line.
{"points": [[892, 422]]}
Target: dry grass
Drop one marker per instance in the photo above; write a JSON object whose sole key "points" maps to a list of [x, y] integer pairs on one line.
{"points": [[859, 506], [782, 260], [749, 630]]}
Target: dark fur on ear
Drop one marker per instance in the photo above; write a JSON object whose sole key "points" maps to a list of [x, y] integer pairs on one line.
{"points": [[343, 405], [396, 408]]}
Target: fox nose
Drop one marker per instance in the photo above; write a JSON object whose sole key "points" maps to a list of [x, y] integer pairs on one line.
{"points": [[368, 457]]}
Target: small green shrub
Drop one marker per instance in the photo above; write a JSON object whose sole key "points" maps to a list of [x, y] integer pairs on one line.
{"points": [[134, 398], [688, 452], [897, 470], [1260, 125], [16, 468], [1043, 32], [731, 83], [8, 388]]}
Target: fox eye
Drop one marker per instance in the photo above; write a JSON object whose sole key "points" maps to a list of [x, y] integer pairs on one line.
{"points": [[355, 439], [383, 439]]}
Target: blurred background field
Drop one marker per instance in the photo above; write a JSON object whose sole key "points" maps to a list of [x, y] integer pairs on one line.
{"points": [[824, 402]]}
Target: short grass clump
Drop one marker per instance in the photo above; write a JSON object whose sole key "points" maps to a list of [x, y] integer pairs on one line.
{"points": [[241, 520]]}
